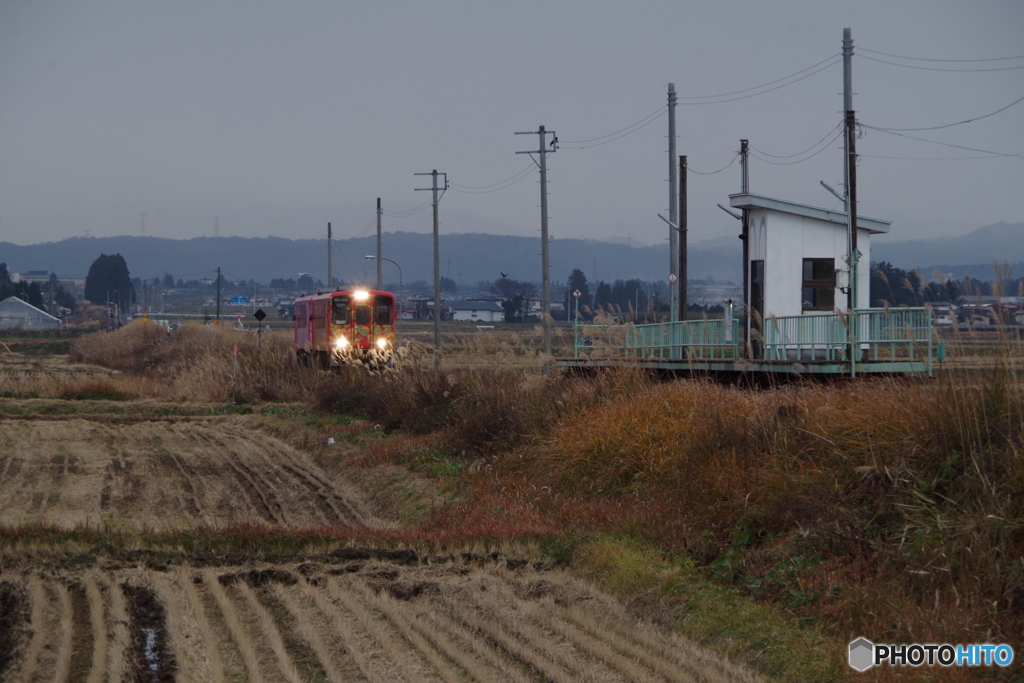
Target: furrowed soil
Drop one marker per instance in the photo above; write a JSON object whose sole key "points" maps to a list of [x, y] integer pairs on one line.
{"points": [[105, 613]]}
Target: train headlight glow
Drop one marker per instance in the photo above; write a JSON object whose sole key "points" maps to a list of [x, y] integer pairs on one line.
{"points": [[340, 343], [360, 295], [382, 343]]}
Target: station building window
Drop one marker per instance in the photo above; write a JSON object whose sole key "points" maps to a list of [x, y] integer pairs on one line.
{"points": [[819, 289]]}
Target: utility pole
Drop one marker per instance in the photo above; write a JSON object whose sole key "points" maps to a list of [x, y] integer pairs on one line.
{"points": [[683, 256], [437, 263], [745, 236], [673, 216], [380, 255], [218, 295], [850, 167], [330, 279], [544, 259]]}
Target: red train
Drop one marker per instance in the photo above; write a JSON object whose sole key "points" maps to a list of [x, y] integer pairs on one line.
{"points": [[341, 327]]}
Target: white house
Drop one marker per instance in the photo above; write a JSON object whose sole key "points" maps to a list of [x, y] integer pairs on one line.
{"points": [[797, 257], [477, 311], [16, 314]]}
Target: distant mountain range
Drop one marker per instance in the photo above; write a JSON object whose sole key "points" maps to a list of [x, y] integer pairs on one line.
{"points": [[466, 258], [471, 257], [972, 254]]}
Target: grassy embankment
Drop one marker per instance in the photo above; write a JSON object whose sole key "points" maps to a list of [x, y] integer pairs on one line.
{"points": [[776, 525]]}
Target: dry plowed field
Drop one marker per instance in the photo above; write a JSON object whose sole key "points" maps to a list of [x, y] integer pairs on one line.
{"points": [[110, 614], [352, 616], [163, 475]]}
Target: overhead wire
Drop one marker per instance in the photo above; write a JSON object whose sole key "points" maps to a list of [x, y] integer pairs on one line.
{"points": [[790, 156], [494, 187], [1017, 155], [926, 59], [933, 68], [406, 214], [798, 161], [731, 162], [831, 63], [656, 112], [758, 87], [761, 89], [958, 123]]}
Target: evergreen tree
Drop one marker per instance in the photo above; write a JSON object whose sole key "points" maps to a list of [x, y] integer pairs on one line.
{"points": [[108, 281], [578, 281]]}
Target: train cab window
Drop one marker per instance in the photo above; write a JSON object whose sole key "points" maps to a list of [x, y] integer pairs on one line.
{"points": [[362, 314], [382, 311], [339, 310], [300, 315]]}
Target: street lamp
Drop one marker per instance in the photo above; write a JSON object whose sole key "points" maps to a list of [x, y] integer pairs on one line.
{"points": [[371, 257]]}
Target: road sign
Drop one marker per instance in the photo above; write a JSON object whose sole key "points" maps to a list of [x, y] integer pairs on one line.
{"points": [[672, 277], [239, 300], [576, 293], [259, 315]]}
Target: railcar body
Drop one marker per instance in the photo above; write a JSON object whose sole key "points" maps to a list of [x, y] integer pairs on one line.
{"points": [[341, 327]]}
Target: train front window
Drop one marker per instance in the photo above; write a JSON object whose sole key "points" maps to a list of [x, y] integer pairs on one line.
{"points": [[382, 311], [362, 315], [339, 310]]}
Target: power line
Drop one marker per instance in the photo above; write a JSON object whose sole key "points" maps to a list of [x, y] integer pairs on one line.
{"points": [[832, 63], [790, 156], [879, 156], [925, 59], [495, 187], [406, 214], [661, 112], [694, 100], [656, 112], [944, 144], [932, 68], [950, 125], [758, 87], [731, 162], [800, 161]]}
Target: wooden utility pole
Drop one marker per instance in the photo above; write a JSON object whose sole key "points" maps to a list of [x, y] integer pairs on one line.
{"points": [[683, 256], [330, 280], [745, 236], [544, 259], [437, 263], [380, 265]]}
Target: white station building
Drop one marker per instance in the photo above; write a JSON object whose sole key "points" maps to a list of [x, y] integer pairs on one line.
{"points": [[796, 257]]}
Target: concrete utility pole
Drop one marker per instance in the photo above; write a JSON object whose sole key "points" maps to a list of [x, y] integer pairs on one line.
{"points": [[682, 239], [380, 255], [850, 167], [437, 263], [544, 259], [745, 236], [330, 239], [218, 293], [675, 313]]}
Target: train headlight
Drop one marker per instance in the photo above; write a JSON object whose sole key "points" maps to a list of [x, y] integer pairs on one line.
{"points": [[382, 344], [341, 343], [360, 295]]}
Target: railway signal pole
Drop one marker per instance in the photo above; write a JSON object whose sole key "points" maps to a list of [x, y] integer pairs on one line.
{"points": [[544, 258], [437, 262]]}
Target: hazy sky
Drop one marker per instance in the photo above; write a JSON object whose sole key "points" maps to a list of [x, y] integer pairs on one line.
{"points": [[280, 116]]}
